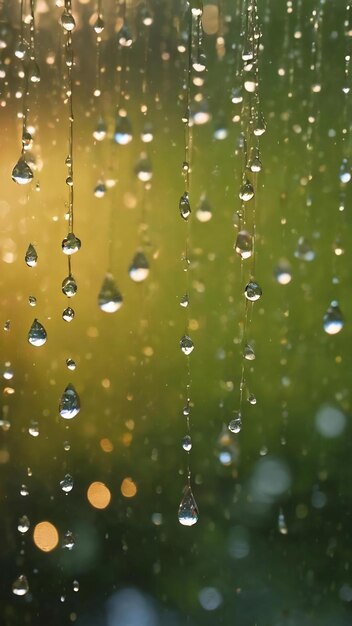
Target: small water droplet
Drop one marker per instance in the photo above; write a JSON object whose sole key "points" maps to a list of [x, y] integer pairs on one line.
{"points": [[71, 365], [32, 300], [33, 72], [244, 244], [69, 405], [99, 25], [304, 250], [66, 483], [188, 513], [252, 399], [124, 37], [283, 273], [70, 244], [69, 286], [147, 134], [235, 424], [100, 130], [139, 268], [67, 21], [204, 211], [33, 428], [186, 345], [68, 541], [68, 314], [23, 524], [7, 325], [20, 586], [281, 524], [21, 50], [254, 162], [246, 192], [22, 173], [184, 301], [259, 125], [199, 64], [37, 334], [248, 352], [75, 586], [184, 206], [31, 256], [196, 7], [109, 298], [345, 171], [333, 320], [24, 491], [143, 168], [253, 291], [187, 443], [123, 130]]}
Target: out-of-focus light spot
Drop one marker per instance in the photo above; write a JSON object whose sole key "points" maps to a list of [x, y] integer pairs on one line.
{"points": [[210, 598], [8, 391], [239, 542], [301, 511], [271, 478], [4, 457], [45, 536], [92, 332], [330, 422], [106, 445], [210, 19], [148, 351], [129, 607], [128, 488], [127, 439], [105, 383], [98, 495]]}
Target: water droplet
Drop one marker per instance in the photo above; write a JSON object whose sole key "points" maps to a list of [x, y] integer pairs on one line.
{"points": [[345, 171], [204, 211], [67, 21], [304, 251], [33, 72], [100, 190], [147, 18], [184, 206], [184, 301], [20, 586], [281, 524], [24, 491], [26, 140], [124, 37], [70, 244], [236, 95], [235, 424], [69, 286], [100, 130], [69, 405], [139, 268], [333, 319], [143, 169], [186, 345], [23, 524], [7, 325], [196, 7], [123, 130], [21, 50], [32, 300], [33, 428], [71, 365], [283, 273], [68, 541], [109, 298], [259, 125], [253, 291], [37, 334], [188, 513], [99, 25], [31, 256], [252, 399], [66, 483], [244, 244], [199, 64], [22, 173], [254, 162], [68, 314], [248, 352], [147, 133], [246, 192], [187, 443]]}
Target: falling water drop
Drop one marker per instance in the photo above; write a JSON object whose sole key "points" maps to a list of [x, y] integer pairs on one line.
{"points": [[184, 301], [70, 244], [187, 443], [184, 206], [248, 352], [143, 168], [139, 268], [253, 291], [123, 130], [235, 424], [99, 25], [33, 72], [37, 334], [68, 21], [70, 364], [204, 211], [147, 134], [109, 298], [69, 286], [188, 511], [31, 256], [186, 345], [20, 586], [69, 405], [244, 244], [66, 483], [22, 173], [68, 541], [23, 524], [333, 319], [283, 273], [246, 192], [345, 171], [68, 314]]}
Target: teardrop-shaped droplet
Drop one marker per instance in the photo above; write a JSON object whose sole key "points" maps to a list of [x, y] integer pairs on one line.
{"points": [[124, 37], [99, 25], [248, 352], [253, 291], [68, 314], [187, 443], [32, 300], [33, 72], [23, 524], [33, 428], [71, 244], [281, 524], [20, 586], [204, 211], [147, 134], [252, 399], [67, 21], [184, 301], [68, 541], [246, 192], [244, 244], [333, 319], [66, 483], [184, 206], [221, 130], [304, 250], [100, 190], [200, 62], [100, 130], [283, 273], [188, 513], [22, 173], [259, 125], [139, 268], [70, 404], [69, 286], [70, 364], [123, 130], [235, 424], [146, 16], [236, 95], [196, 7], [27, 140], [21, 50], [345, 171], [109, 299], [186, 345], [37, 334], [31, 256], [143, 168], [254, 162]]}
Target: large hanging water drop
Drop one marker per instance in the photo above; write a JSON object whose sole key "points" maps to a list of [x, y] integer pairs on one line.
{"points": [[68, 314], [184, 206], [31, 256], [139, 268], [109, 298], [37, 334], [188, 513], [68, 21], [70, 404], [69, 286], [20, 586], [235, 424], [186, 345], [22, 173], [246, 192], [71, 244], [244, 244], [253, 291], [333, 319]]}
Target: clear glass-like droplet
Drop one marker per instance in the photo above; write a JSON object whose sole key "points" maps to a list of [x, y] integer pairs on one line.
{"points": [[71, 244], [253, 291], [37, 334], [187, 443], [21, 50], [143, 169], [246, 192], [123, 130], [199, 64], [186, 345], [184, 301], [184, 206], [68, 541], [345, 171], [22, 173], [252, 399], [204, 211], [139, 268], [196, 7], [248, 352], [333, 319], [32, 300], [259, 125], [70, 364], [70, 404], [20, 586], [33, 72], [109, 299], [23, 524], [254, 162], [100, 130], [33, 428], [304, 250], [124, 37], [68, 314], [31, 256], [99, 25], [66, 483], [244, 244], [68, 21], [281, 524], [69, 286], [235, 424], [188, 513]]}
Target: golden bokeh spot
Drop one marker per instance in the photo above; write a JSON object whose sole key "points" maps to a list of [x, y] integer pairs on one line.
{"points": [[45, 536], [128, 488], [148, 351], [210, 19], [98, 495], [92, 332], [106, 445], [106, 383], [127, 439]]}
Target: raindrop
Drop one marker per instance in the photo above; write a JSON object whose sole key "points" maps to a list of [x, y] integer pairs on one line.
{"points": [[333, 319], [33, 72], [244, 244], [235, 424], [22, 173], [143, 168], [252, 399], [188, 511], [253, 291], [109, 298], [184, 206], [236, 95], [99, 25], [69, 286], [124, 37], [139, 268], [68, 541], [345, 171], [184, 301], [200, 63], [68, 314], [100, 190], [69, 405], [31, 256], [66, 483], [281, 524], [67, 21], [304, 251], [71, 365], [75, 585], [37, 334], [20, 586], [33, 428], [32, 300], [147, 133], [204, 211], [186, 345], [187, 443], [283, 273], [246, 192], [70, 244], [259, 125], [23, 524], [100, 130], [254, 163], [123, 130], [248, 352], [21, 50], [24, 491]]}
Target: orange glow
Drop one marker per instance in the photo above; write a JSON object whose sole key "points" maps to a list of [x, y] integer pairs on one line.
{"points": [[106, 445], [128, 488], [127, 439], [98, 495], [45, 536]]}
